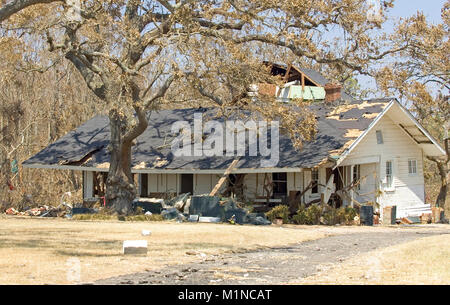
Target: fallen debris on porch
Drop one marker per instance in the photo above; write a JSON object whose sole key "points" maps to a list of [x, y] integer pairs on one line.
{"points": [[200, 208]]}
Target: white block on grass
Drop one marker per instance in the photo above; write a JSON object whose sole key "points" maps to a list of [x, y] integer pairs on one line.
{"points": [[135, 247], [146, 232]]}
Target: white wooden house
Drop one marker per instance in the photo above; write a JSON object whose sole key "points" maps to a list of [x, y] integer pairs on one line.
{"points": [[376, 146]]}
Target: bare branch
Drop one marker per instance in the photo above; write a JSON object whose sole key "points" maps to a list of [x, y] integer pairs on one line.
{"points": [[161, 92]]}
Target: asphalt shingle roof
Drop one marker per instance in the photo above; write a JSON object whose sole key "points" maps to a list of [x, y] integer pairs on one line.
{"points": [[87, 145]]}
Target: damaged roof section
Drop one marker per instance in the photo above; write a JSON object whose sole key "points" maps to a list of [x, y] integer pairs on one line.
{"points": [[338, 126]]}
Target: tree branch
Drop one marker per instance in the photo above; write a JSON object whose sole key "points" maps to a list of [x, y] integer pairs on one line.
{"points": [[16, 6]]}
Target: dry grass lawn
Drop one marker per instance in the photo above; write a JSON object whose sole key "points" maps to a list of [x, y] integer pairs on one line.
{"points": [[423, 261], [40, 251]]}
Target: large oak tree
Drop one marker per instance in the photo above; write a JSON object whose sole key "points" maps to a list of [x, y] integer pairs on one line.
{"points": [[420, 76], [135, 54]]}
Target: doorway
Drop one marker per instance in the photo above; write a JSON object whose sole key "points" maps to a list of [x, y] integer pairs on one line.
{"points": [[187, 183]]}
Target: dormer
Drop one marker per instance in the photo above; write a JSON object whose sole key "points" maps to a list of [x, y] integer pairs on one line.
{"points": [[300, 83]]}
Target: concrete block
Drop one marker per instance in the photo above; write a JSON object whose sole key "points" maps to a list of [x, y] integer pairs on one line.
{"points": [[135, 247], [209, 219]]}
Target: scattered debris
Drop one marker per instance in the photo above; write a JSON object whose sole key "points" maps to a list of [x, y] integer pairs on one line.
{"points": [[43, 211], [152, 205], [172, 213], [193, 218], [209, 219], [426, 218], [83, 211], [405, 221], [177, 202], [12, 211], [146, 232]]}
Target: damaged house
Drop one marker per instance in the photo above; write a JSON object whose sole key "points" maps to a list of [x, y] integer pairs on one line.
{"points": [[369, 151]]}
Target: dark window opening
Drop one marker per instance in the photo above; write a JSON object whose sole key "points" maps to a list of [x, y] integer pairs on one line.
{"points": [[357, 176], [315, 181], [144, 185], [187, 183], [279, 181]]}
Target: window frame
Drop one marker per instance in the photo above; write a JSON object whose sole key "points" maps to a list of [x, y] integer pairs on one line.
{"points": [[279, 183], [389, 186], [379, 136], [410, 167]]}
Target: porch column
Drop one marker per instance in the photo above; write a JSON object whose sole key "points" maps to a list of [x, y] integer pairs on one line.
{"points": [[351, 189]]}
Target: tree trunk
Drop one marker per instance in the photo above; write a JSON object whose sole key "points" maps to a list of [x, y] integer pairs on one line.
{"points": [[443, 172], [442, 165], [120, 187]]}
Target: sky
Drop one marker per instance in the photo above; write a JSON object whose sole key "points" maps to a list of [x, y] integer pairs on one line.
{"points": [[431, 8]]}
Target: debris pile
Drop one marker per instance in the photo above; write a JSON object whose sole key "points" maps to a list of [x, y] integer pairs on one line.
{"points": [[201, 208], [42, 211]]}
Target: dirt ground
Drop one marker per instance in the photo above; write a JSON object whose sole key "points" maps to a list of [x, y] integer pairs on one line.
{"points": [[46, 251], [59, 251], [392, 256]]}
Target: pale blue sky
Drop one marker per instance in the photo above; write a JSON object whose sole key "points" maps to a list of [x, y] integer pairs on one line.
{"points": [[406, 8], [431, 8]]}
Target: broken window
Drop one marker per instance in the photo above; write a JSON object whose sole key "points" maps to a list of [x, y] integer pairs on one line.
{"points": [[357, 176], [379, 137], [412, 166], [389, 174], [315, 181], [279, 181]]}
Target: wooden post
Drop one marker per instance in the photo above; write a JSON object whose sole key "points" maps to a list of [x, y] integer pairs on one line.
{"points": [[224, 177], [286, 76], [303, 82]]}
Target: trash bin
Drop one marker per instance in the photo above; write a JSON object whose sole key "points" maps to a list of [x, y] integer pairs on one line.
{"points": [[366, 215]]}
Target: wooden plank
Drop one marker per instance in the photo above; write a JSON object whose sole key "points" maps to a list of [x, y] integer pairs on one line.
{"points": [[286, 76], [224, 177]]}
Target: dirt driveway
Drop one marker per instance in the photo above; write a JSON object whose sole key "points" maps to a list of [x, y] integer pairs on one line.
{"points": [[277, 265]]}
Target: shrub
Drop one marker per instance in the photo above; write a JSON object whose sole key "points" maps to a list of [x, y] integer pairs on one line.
{"points": [[280, 211], [300, 218], [330, 216], [308, 216], [347, 215]]}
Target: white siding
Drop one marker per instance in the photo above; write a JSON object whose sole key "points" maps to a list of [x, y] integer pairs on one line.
{"points": [[202, 184], [408, 189], [368, 174], [161, 183], [254, 185], [308, 195]]}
